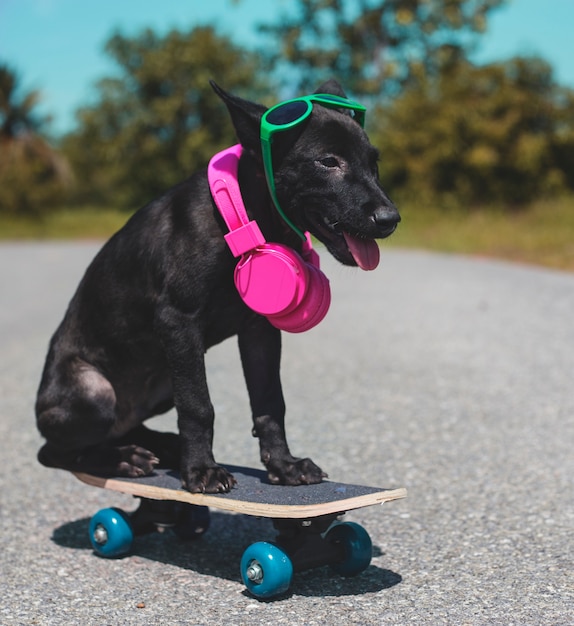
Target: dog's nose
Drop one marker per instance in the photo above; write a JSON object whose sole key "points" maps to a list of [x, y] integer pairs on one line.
{"points": [[386, 217]]}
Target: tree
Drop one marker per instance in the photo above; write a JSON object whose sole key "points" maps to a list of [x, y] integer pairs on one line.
{"points": [[158, 120], [33, 176], [373, 46], [500, 133]]}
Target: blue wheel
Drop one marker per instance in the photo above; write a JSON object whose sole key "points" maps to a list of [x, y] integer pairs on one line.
{"points": [[266, 570], [111, 533], [357, 548], [192, 522]]}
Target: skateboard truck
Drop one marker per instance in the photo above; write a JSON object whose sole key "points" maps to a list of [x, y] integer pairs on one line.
{"points": [[303, 541]]}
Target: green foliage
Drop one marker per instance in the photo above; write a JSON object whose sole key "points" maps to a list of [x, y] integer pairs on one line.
{"points": [[158, 120], [450, 133], [33, 176], [373, 46], [499, 133]]}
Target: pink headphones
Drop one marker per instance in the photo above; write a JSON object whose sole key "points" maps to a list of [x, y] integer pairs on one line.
{"points": [[273, 280]]}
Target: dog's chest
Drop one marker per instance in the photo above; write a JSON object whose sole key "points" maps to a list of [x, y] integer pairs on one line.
{"points": [[224, 315]]}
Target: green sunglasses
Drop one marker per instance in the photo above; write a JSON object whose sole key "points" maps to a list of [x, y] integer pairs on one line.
{"points": [[289, 114]]}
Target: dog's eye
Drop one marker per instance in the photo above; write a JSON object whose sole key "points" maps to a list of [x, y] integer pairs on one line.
{"points": [[329, 162]]}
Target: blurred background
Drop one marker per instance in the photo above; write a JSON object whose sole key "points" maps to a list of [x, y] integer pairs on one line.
{"points": [[105, 105]]}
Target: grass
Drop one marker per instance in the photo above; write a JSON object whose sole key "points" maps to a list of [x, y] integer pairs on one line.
{"points": [[85, 223], [542, 234]]}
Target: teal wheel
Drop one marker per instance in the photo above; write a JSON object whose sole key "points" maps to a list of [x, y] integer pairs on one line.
{"points": [[266, 570], [111, 533], [357, 548]]}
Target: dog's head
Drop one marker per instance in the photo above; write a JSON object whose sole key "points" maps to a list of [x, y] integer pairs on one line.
{"points": [[326, 177]]}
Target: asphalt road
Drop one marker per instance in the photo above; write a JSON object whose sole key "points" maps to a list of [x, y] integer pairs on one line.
{"points": [[447, 375]]}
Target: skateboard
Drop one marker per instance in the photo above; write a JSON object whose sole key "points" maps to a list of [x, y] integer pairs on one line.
{"points": [[306, 518]]}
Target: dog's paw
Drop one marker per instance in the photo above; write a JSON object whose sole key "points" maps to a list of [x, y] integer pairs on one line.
{"points": [[208, 480], [135, 461], [296, 472]]}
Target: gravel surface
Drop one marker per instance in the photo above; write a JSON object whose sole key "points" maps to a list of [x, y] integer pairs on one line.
{"points": [[447, 375]]}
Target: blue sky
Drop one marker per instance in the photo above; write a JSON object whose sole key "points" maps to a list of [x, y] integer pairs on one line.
{"points": [[57, 45]]}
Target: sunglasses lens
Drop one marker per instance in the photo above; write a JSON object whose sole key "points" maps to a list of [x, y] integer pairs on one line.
{"points": [[287, 113]]}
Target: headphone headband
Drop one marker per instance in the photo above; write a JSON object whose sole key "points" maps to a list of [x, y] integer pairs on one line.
{"points": [[243, 235]]}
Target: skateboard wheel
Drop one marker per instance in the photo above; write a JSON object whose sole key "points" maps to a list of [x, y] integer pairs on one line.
{"points": [[111, 533], [192, 522], [266, 570], [357, 548]]}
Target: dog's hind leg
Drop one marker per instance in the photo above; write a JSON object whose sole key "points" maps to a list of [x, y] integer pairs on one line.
{"points": [[77, 414], [104, 459], [165, 445], [260, 348]]}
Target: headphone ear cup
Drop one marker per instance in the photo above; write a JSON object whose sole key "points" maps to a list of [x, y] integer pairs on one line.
{"points": [[312, 308], [272, 279]]}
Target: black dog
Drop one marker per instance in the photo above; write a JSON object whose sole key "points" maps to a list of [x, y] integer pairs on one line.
{"points": [[161, 292]]}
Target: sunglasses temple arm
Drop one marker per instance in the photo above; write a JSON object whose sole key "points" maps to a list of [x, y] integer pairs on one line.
{"points": [[268, 167]]}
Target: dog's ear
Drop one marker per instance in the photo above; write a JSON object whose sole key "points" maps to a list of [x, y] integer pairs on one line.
{"points": [[333, 88], [245, 115]]}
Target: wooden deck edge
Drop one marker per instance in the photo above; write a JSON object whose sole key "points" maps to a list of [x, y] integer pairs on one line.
{"points": [[240, 506]]}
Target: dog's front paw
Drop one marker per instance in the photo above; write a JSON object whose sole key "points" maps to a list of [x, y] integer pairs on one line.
{"points": [[295, 472], [207, 480]]}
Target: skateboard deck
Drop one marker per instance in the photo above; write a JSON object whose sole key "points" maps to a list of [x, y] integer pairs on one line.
{"points": [[306, 519], [254, 494]]}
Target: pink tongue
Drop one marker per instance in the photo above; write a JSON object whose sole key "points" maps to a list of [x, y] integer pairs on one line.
{"points": [[364, 251]]}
